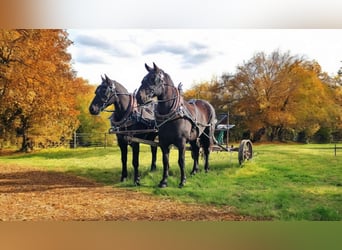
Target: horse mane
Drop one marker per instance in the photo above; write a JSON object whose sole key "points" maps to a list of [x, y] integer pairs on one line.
{"points": [[168, 79], [120, 88], [156, 70]]}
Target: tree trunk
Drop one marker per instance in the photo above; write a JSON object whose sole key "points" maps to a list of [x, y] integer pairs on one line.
{"points": [[26, 145]]}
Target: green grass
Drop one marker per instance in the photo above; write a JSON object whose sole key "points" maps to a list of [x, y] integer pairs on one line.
{"points": [[282, 182]]}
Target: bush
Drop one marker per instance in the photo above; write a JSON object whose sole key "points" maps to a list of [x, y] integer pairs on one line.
{"points": [[303, 137], [323, 135]]}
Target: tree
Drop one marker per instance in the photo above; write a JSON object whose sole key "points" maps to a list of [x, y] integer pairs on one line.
{"points": [[90, 123], [277, 95], [280, 93], [37, 85]]}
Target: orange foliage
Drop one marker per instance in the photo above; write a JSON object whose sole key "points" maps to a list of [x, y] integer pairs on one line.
{"points": [[276, 93], [38, 86]]}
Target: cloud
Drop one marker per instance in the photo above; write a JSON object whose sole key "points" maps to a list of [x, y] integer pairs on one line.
{"points": [[196, 59], [86, 43], [91, 41], [165, 47], [91, 58], [198, 46], [191, 53]]}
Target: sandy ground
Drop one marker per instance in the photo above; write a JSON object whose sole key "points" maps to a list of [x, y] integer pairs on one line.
{"points": [[35, 195]]}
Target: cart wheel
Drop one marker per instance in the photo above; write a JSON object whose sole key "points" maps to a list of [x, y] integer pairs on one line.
{"points": [[245, 151]]}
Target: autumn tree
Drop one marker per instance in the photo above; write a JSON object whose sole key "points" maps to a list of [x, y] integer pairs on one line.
{"points": [[38, 88], [90, 124], [335, 84], [203, 90], [216, 93], [278, 93], [337, 130]]}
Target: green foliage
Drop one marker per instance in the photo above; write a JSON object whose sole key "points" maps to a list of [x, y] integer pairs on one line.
{"points": [[281, 182], [323, 135], [91, 127]]}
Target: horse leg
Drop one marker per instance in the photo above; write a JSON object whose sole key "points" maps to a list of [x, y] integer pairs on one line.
{"points": [[195, 155], [181, 163], [166, 152], [123, 148], [135, 163], [206, 158], [154, 158], [206, 150]]}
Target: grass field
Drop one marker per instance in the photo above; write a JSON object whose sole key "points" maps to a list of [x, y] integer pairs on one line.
{"points": [[282, 182]]}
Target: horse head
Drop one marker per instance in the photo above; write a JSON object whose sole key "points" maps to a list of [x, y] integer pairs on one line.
{"points": [[153, 84], [105, 95]]}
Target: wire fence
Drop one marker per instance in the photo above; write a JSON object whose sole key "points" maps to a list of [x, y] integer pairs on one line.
{"points": [[93, 140], [103, 140], [77, 140], [336, 147]]}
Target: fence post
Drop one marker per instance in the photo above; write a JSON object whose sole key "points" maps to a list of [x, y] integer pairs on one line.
{"points": [[75, 139], [105, 142]]}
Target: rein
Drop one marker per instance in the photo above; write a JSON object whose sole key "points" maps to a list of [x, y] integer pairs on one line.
{"points": [[129, 110], [174, 108], [177, 110], [127, 113]]}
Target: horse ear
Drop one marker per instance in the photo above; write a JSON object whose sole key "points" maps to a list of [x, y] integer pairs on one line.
{"points": [[102, 78], [148, 68], [107, 78], [155, 67]]}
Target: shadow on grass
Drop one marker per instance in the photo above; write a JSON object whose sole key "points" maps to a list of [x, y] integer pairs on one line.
{"points": [[36, 180], [63, 154]]}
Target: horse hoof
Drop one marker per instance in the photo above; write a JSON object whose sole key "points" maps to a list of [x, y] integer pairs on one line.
{"points": [[153, 169], [123, 179], [207, 170], [162, 185], [181, 185], [137, 183]]}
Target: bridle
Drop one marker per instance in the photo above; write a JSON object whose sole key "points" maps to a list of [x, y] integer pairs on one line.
{"points": [[176, 98], [109, 94]]}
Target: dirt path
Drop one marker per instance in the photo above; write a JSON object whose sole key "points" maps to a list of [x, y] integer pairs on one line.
{"points": [[35, 195]]}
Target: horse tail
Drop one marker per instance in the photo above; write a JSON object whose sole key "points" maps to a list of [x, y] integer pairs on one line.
{"points": [[212, 124]]}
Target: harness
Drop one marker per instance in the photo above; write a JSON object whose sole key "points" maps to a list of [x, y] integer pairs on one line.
{"points": [[179, 110], [174, 113], [126, 116], [134, 115]]}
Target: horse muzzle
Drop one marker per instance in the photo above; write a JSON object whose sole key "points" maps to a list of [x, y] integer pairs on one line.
{"points": [[94, 110]]}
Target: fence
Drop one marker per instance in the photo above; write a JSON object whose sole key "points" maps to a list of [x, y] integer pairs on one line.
{"points": [[93, 140], [336, 148]]}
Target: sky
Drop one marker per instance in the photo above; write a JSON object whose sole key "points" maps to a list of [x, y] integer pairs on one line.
{"points": [[191, 56], [192, 40]]}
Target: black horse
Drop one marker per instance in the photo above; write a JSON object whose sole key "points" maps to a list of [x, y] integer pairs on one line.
{"points": [[126, 117], [178, 121]]}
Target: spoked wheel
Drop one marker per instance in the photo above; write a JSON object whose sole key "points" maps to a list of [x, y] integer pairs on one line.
{"points": [[245, 151]]}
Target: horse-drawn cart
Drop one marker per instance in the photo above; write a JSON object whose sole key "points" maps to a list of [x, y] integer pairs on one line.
{"points": [[245, 149], [173, 120]]}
